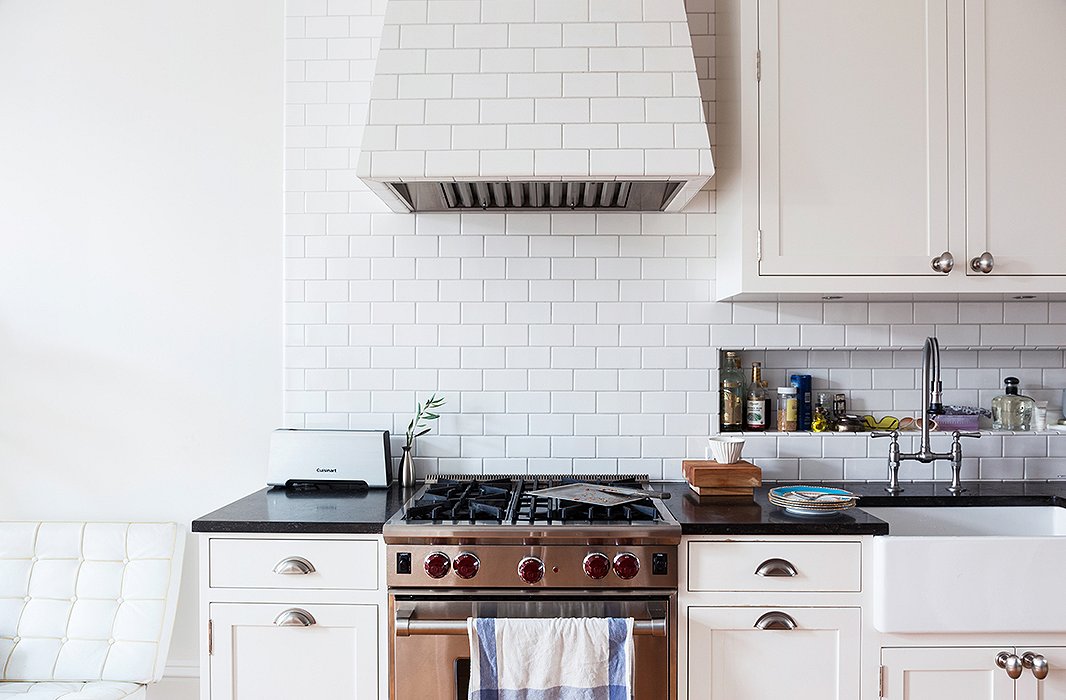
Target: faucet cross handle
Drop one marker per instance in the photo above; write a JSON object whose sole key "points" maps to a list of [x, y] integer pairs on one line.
{"points": [[893, 460], [956, 459]]}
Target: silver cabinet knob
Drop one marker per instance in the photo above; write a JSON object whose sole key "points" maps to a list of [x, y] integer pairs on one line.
{"points": [[945, 262], [776, 567], [1010, 663], [984, 263], [1037, 664], [775, 620], [294, 617], [294, 566]]}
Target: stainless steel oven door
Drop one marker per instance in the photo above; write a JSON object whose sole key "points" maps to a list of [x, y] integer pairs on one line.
{"points": [[430, 657]]}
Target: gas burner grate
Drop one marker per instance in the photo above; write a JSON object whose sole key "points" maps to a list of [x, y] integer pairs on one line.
{"points": [[590, 478], [504, 500]]}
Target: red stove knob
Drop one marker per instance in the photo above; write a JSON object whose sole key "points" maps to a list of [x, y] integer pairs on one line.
{"points": [[466, 565], [596, 565], [626, 565], [437, 564], [531, 570]]}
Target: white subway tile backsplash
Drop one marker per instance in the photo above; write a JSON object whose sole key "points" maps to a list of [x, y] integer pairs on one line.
{"points": [[616, 10], [589, 34], [562, 10], [510, 11], [575, 342], [1045, 468]]}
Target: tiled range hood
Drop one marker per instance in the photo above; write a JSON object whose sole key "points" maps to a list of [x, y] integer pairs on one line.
{"points": [[535, 104]]}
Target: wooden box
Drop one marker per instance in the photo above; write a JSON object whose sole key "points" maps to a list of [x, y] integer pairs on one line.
{"points": [[709, 478]]}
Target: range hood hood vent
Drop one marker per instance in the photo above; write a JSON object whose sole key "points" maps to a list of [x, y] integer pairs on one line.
{"points": [[496, 105], [653, 195]]}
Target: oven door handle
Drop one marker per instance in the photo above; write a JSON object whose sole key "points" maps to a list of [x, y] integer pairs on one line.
{"points": [[406, 626]]}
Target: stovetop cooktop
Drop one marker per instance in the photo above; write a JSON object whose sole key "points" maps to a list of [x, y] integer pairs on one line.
{"points": [[505, 500]]}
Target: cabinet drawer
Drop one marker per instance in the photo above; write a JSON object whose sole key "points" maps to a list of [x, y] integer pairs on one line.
{"points": [[785, 566], [339, 564]]}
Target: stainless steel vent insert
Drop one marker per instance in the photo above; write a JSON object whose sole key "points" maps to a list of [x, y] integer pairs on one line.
{"points": [[464, 195]]}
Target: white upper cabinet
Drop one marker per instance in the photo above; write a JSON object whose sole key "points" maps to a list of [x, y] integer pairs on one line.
{"points": [[1016, 135], [853, 136], [858, 141]]}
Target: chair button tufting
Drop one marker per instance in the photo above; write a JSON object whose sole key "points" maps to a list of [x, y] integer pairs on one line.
{"points": [[63, 640], [111, 641], [120, 601]]}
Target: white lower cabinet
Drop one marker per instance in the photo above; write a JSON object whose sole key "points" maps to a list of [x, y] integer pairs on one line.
{"points": [[1053, 687], [279, 652], [968, 673], [938, 673], [292, 618], [731, 658]]}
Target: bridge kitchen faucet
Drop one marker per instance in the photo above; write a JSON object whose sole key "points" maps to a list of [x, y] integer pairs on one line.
{"points": [[932, 405]]}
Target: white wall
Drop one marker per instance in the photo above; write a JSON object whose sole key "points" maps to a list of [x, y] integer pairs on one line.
{"points": [[579, 342], [140, 260]]}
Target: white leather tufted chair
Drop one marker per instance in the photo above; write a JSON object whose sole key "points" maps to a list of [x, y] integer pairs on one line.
{"points": [[86, 609]]}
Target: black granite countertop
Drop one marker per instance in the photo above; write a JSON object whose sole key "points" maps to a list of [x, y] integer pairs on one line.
{"points": [[276, 510], [747, 516], [280, 511], [713, 516]]}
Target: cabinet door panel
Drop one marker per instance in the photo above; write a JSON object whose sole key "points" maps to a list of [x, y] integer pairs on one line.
{"points": [[729, 658], [853, 136], [1051, 688], [929, 673], [334, 659], [1016, 143]]}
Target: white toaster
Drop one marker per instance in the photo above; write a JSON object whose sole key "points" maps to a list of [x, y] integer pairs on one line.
{"points": [[324, 456]]}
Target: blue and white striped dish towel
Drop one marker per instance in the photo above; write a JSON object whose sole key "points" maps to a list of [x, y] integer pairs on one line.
{"points": [[570, 658]]}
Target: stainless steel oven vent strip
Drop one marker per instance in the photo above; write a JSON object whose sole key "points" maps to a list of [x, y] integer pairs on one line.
{"points": [[591, 195], [406, 627], [436, 478]]}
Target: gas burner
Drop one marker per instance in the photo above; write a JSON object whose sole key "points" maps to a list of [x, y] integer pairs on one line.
{"points": [[504, 500]]}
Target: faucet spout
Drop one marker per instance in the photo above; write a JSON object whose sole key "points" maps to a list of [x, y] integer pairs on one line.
{"points": [[932, 391], [932, 405]]}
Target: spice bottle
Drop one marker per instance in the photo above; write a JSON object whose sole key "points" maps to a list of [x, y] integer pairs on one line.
{"points": [[732, 393], [757, 406], [787, 409], [823, 410], [840, 405]]}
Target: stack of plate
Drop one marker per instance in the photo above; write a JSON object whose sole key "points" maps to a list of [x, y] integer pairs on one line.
{"points": [[812, 500]]}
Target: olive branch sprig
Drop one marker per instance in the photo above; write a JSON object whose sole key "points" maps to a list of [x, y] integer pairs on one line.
{"points": [[425, 413]]}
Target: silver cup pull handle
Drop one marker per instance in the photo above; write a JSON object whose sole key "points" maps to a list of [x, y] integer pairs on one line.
{"points": [[775, 620], [294, 566], [776, 567], [944, 263], [1010, 663], [294, 617], [983, 263], [1037, 664]]}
